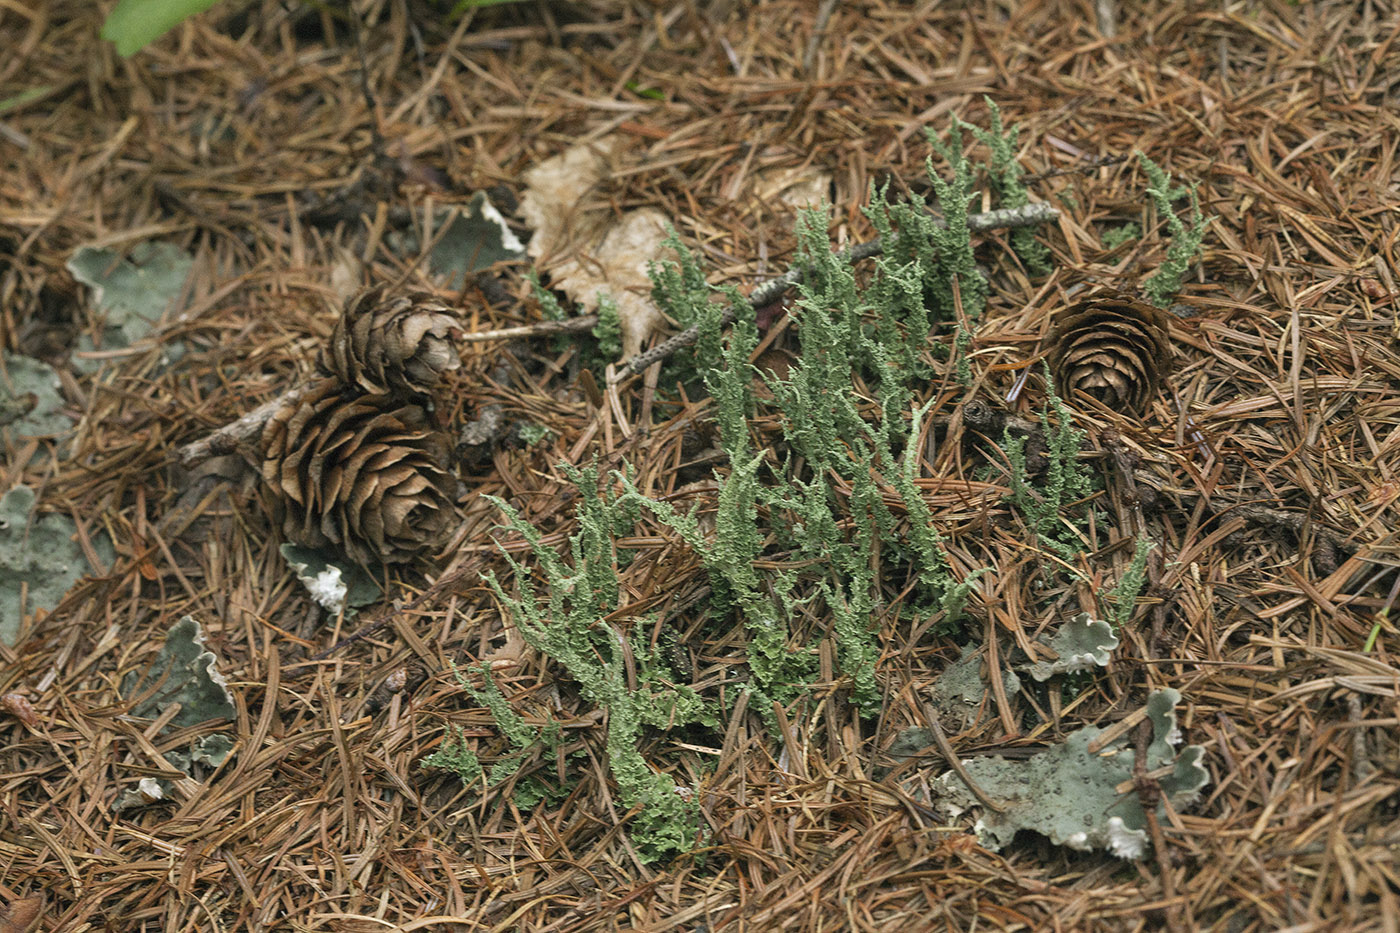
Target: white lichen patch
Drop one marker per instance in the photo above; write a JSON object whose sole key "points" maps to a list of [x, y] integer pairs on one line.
{"points": [[1124, 842], [327, 589]]}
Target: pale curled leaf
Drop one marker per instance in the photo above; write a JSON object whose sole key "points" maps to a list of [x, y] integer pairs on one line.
{"points": [[599, 252]]}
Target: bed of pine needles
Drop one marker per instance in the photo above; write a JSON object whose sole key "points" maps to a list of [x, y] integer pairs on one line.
{"points": [[246, 137]]}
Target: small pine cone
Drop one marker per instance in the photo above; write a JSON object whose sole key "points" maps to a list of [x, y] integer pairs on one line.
{"points": [[362, 473], [388, 343], [1110, 346]]}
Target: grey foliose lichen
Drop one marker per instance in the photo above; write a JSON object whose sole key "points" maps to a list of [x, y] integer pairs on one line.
{"points": [[1077, 795]]}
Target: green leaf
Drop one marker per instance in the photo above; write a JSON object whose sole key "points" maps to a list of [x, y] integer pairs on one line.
{"points": [[134, 24], [651, 93]]}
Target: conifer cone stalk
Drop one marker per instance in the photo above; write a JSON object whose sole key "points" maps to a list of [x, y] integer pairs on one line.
{"points": [[364, 474], [400, 344], [1110, 346]]}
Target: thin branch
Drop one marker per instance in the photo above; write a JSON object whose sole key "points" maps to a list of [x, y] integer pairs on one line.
{"points": [[231, 436], [539, 329]]}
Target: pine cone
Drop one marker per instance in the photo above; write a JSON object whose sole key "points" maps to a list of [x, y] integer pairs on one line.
{"points": [[1110, 346], [364, 474], [392, 344]]}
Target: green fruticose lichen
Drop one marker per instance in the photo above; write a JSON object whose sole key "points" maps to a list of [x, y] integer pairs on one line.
{"points": [[1185, 246], [1117, 236], [1130, 585], [877, 330], [962, 346], [608, 330], [456, 754], [532, 433], [1006, 178], [928, 261], [680, 286], [549, 304], [1066, 479], [1071, 793], [566, 626], [837, 493]]}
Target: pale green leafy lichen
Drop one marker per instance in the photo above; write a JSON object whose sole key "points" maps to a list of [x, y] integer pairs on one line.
{"points": [[1081, 644], [132, 292], [333, 585], [39, 559], [185, 672], [475, 238], [30, 403], [1070, 794], [960, 691]]}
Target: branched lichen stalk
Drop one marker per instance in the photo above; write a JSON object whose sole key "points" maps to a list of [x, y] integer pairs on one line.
{"points": [[769, 292]]}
